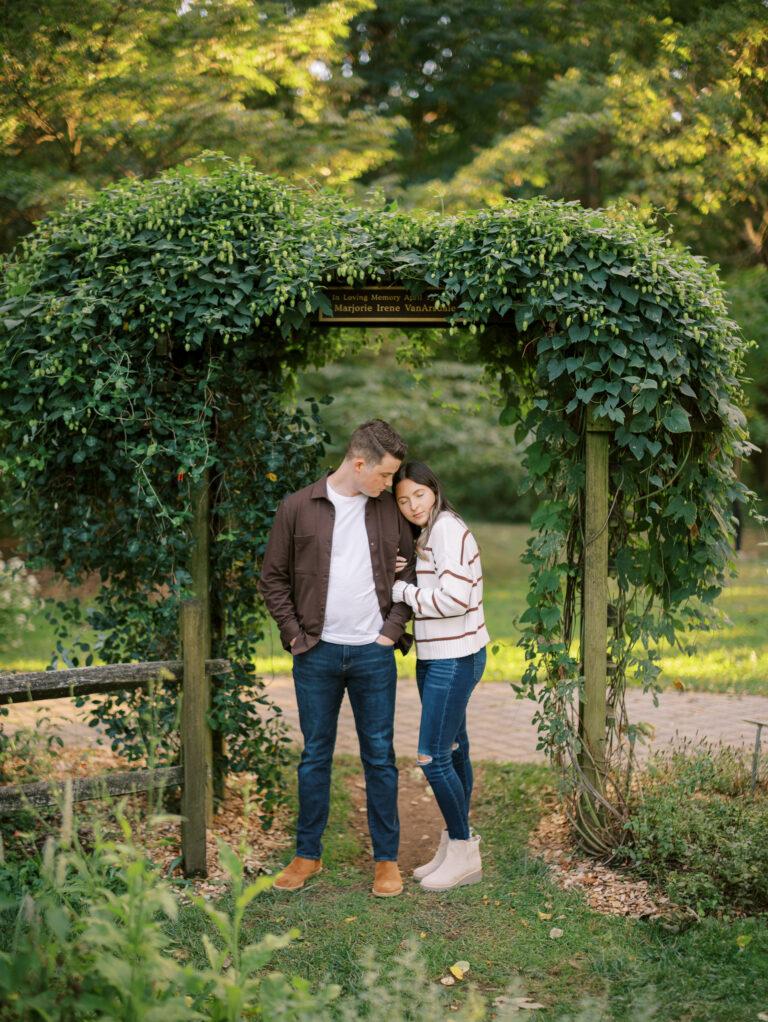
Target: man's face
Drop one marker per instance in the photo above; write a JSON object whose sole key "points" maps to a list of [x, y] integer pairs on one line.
{"points": [[374, 479]]}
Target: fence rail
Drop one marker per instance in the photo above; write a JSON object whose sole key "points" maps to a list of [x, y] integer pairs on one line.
{"points": [[194, 775], [14, 798], [78, 681]]}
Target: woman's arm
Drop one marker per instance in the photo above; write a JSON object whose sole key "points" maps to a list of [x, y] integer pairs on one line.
{"points": [[451, 596]]}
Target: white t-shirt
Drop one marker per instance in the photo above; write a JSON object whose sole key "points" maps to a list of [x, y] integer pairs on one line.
{"points": [[352, 612]]}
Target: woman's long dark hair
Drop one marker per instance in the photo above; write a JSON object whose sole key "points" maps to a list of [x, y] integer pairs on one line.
{"points": [[418, 472]]}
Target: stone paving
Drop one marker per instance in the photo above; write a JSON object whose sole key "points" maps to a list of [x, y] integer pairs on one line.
{"points": [[500, 728], [499, 725]]}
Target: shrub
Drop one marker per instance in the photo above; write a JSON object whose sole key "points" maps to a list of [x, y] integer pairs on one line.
{"points": [[87, 936], [699, 833], [18, 596], [28, 753]]}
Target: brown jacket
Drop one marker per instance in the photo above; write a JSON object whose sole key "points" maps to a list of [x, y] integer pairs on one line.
{"points": [[297, 564]]}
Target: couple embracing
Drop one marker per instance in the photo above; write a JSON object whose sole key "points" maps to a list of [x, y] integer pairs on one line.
{"points": [[348, 563]]}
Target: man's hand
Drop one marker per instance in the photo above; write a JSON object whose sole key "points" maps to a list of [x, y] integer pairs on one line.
{"points": [[384, 641], [293, 640]]}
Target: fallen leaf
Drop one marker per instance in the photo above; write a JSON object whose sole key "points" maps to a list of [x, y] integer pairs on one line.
{"points": [[543, 916], [448, 981], [555, 933], [350, 919], [763, 1016], [423, 934], [527, 1004], [459, 969], [742, 940], [679, 684]]}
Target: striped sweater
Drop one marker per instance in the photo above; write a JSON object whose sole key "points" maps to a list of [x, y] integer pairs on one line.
{"points": [[448, 597]]}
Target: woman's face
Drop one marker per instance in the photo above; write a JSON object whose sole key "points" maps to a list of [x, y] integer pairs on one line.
{"points": [[414, 500]]}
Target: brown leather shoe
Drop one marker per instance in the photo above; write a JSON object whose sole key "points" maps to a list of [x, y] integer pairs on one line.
{"points": [[296, 873], [387, 882]]}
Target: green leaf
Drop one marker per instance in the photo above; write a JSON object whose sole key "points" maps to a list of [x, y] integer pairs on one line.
{"points": [[652, 312], [509, 415], [523, 315], [677, 420], [636, 444], [579, 331], [682, 509]]}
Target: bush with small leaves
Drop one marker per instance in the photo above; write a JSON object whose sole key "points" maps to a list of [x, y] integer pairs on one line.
{"points": [[698, 830]]}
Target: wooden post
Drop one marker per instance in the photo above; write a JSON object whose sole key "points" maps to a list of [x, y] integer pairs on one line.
{"points": [[197, 751], [595, 601], [201, 580]]}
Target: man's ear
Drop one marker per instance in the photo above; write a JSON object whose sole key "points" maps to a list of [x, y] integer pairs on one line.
{"points": [[358, 464]]}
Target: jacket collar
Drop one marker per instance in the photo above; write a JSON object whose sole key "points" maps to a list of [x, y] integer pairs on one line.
{"points": [[319, 489]]}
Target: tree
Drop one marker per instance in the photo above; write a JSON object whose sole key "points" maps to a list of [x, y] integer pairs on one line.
{"points": [[685, 132], [90, 93], [456, 73]]}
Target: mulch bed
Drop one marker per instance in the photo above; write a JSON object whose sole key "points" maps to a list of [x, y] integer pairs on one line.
{"points": [[607, 890], [238, 822]]}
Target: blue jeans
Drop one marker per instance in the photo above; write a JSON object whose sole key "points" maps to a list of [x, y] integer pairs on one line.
{"points": [[445, 687], [321, 676]]}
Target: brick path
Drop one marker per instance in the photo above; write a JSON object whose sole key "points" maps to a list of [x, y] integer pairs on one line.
{"points": [[500, 728], [499, 724]]}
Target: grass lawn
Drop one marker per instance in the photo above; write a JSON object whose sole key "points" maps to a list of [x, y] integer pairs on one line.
{"points": [[734, 659], [694, 973]]}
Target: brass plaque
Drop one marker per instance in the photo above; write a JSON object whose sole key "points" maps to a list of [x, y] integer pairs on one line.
{"points": [[392, 305]]}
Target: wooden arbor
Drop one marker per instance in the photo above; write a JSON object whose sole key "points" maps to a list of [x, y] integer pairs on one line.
{"points": [[394, 306]]}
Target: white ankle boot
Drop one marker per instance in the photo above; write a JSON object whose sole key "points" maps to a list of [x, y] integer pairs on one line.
{"points": [[460, 866], [429, 867]]}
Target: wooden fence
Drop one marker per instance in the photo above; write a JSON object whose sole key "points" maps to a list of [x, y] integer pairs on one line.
{"points": [[194, 776]]}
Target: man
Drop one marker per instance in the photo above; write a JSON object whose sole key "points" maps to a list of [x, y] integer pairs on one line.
{"points": [[327, 580]]}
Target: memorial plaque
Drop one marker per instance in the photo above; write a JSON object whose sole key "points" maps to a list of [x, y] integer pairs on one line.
{"points": [[379, 305]]}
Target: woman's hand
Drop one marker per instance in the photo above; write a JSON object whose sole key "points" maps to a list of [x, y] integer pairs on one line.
{"points": [[401, 563]]}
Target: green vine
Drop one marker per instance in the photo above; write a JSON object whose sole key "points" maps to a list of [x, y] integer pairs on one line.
{"points": [[154, 333]]}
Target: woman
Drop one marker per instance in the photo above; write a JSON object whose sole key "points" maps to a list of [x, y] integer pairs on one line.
{"points": [[451, 637]]}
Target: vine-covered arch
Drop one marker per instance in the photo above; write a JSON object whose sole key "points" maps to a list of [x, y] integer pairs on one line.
{"points": [[150, 336]]}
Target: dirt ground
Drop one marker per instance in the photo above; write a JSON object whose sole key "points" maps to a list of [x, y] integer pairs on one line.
{"points": [[420, 819]]}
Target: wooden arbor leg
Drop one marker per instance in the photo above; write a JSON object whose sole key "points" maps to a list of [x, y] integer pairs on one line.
{"points": [[196, 744], [595, 603], [200, 570]]}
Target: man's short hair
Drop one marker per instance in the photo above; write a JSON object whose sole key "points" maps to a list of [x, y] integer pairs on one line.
{"points": [[373, 439]]}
